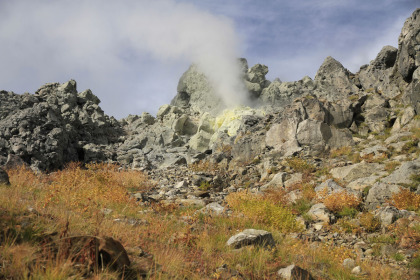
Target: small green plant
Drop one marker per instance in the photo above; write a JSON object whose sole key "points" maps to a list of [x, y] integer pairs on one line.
{"points": [[322, 171], [348, 212], [398, 257], [410, 146], [204, 186], [383, 238], [415, 263], [365, 191], [301, 206], [415, 178]]}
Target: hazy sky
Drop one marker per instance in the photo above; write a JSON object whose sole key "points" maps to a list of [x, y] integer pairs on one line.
{"points": [[132, 53]]}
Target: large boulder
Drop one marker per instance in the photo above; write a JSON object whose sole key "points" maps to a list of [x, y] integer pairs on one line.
{"points": [[403, 175], [195, 91], [294, 272], [319, 212], [379, 73], [356, 171], [376, 112], [408, 57], [251, 237], [379, 194], [334, 80], [280, 94]]}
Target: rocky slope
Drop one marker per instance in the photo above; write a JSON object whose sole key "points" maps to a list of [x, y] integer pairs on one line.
{"points": [[355, 133]]}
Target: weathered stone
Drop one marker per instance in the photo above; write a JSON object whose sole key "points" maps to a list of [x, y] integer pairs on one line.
{"points": [[379, 74], [349, 263], [213, 208], [402, 120], [256, 74], [357, 270], [388, 215], [379, 194], [408, 58], [355, 171], [403, 174], [277, 181], [294, 272], [195, 92], [362, 183], [251, 237], [319, 212], [200, 141], [14, 161], [334, 80], [4, 177], [314, 134], [339, 115]]}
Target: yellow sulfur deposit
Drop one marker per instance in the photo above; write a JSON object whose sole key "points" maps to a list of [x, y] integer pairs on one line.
{"points": [[230, 119]]}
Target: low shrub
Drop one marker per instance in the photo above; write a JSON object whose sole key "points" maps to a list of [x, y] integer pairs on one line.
{"points": [[301, 206], [406, 199], [415, 263], [370, 222], [337, 201], [348, 212]]}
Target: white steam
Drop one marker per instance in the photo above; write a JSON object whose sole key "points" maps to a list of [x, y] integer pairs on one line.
{"points": [[171, 30], [98, 39]]}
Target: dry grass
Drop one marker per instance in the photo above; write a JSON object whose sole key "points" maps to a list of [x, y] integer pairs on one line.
{"points": [[184, 244], [300, 165], [339, 152], [270, 212]]}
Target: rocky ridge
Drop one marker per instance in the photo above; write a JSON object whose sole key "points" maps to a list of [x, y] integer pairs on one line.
{"points": [[359, 130]]}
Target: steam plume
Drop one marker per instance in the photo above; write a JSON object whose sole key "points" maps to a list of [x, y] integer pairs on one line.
{"points": [[99, 37]]}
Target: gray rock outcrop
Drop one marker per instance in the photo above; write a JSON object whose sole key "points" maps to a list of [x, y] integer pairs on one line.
{"points": [[52, 127], [251, 237]]}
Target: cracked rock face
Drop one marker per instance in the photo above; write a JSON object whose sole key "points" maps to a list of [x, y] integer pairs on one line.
{"points": [[408, 58], [51, 127], [58, 124]]}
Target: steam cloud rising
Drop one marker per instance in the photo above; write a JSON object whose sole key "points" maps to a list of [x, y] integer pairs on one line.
{"points": [[98, 38]]}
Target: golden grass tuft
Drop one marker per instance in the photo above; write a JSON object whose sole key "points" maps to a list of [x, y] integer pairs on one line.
{"points": [[337, 201], [406, 199]]}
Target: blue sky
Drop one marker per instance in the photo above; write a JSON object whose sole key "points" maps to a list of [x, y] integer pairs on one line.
{"points": [[132, 53]]}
